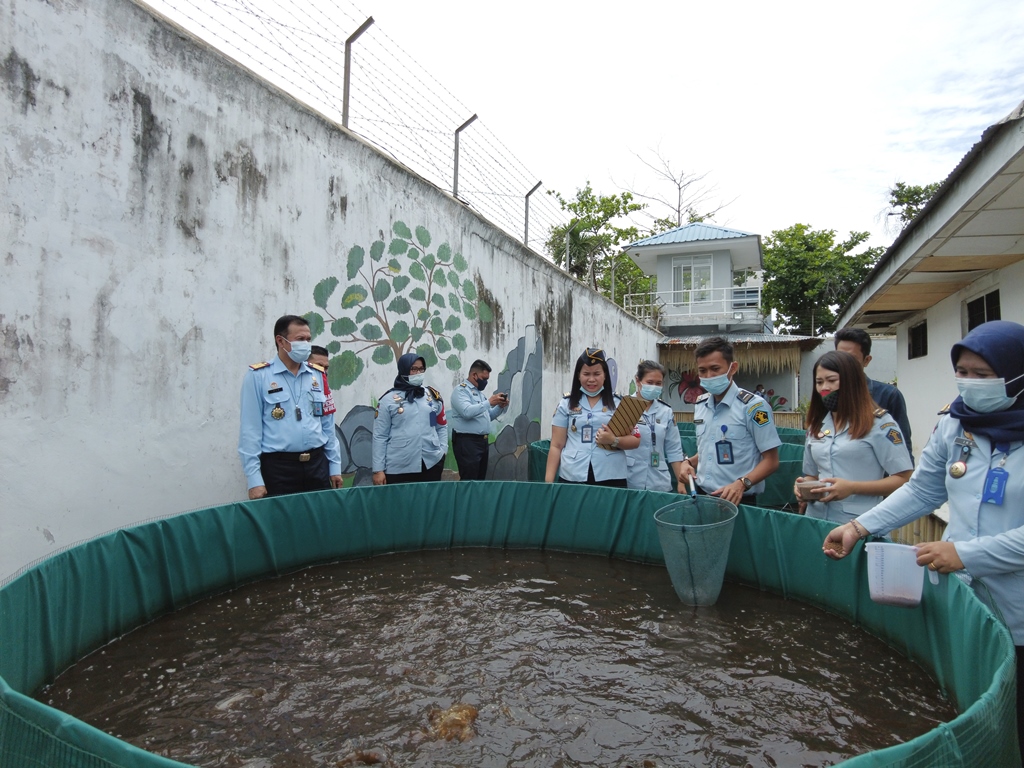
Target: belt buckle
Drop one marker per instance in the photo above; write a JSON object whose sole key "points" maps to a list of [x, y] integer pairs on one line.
{"points": [[303, 457]]}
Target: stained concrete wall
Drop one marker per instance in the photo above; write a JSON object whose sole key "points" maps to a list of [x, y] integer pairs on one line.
{"points": [[161, 208]]}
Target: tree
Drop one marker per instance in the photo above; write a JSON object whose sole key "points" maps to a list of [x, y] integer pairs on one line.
{"points": [[401, 297], [685, 202], [808, 276], [905, 202], [588, 247]]}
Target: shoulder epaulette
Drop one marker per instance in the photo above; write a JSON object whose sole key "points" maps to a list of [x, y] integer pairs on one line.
{"points": [[880, 412], [257, 366], [663, 402], [435, 393], [316, 367], [744, 397], [945, 409], [703, 397], [462, 384], [565, 395], [386, 392]]}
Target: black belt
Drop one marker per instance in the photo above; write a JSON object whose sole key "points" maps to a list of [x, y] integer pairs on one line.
{"points": [[303, 456]]}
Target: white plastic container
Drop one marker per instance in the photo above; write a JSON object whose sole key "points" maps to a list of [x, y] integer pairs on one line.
{"points": [[894, 577]]}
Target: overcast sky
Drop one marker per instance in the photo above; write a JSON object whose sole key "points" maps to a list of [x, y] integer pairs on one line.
{"points": [[798, 111]]}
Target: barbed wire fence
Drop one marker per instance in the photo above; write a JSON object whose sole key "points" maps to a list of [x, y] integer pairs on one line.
{"points": [[394, 103]]}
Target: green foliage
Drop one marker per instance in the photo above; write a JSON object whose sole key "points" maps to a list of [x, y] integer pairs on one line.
{"points": [[401, 280], [589, 245], [907, 200], [808, 276]]}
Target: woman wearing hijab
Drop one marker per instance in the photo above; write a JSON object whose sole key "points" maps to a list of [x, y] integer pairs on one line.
{"points": [[975, 461], [410, 432], [579, 426], [852, 445]]}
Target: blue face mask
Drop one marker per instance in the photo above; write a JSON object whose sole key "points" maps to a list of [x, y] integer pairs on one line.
{"points": [[300, 351], [650, 392], [592, 394], [416, 379], [716, 385], [985, 395]]}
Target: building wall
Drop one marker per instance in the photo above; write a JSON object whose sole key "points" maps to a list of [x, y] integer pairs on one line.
{"points": [[927, 382], [162, 207]]}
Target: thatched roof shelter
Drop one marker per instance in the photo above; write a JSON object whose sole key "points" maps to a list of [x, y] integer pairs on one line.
{"points": [[755, 352]]}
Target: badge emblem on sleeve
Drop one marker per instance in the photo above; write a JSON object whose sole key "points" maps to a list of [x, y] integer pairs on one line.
{"points": [[894, 437]]}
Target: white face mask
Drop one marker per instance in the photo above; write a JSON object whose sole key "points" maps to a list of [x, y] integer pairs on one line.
{"points": [[986, 395], [300, 351]]}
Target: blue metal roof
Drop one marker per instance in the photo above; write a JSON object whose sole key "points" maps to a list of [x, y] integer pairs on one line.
{"points": [[691, 233]]}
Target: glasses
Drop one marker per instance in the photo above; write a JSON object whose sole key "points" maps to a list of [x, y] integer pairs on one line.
{"points": [[418, 369], [597, 355]]}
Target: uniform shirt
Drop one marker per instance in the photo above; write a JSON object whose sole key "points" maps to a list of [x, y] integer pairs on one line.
{"points": [[471, 414], [750, 429], [578, 456], [658, 434], [989, 537], [891, 399], [831, 453], [270, 386], [408, 434]]}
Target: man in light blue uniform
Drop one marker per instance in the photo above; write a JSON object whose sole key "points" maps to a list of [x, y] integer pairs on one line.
{"points": [[470, 419], [737, 443], [286, 437]]}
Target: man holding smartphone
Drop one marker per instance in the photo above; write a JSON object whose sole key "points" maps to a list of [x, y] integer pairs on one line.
{"points": [[469, 419]]}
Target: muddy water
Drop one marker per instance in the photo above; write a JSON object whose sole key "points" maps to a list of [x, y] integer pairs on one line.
{"points": [[555, 659]]}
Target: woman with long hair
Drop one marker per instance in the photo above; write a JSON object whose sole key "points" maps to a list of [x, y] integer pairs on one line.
{"points": [[974, 460], [583, 449], [853, 447], [647, 465]]}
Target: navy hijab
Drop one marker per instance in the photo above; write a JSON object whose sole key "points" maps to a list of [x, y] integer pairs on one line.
{"points": [[1001, 344], [404, 364]]}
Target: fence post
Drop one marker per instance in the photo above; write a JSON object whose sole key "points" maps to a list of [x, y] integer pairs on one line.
{"points": [[348, 68], [526, 216], [455, 182]]}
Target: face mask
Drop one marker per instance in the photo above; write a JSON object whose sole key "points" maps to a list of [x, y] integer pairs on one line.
{"points": [[300, 351], [592, 394], [650, 392], [416, 379], [716, 385], [481, 384], [830, 399], [985, 395]]}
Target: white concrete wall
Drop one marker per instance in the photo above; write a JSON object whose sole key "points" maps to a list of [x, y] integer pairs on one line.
{"points": [[162, 207], [927, 382]]}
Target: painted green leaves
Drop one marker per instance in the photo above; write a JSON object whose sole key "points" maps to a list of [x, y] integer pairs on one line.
{"points": [[397, 297]]}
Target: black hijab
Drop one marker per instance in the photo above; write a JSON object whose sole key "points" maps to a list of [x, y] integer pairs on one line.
{"points": [[1001, 344], [404, 364]]}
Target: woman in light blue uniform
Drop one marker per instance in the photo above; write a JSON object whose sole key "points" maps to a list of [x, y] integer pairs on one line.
{"points": [[579, 426], [852, 445], [975, 461], [660, 447], [410, 431]]}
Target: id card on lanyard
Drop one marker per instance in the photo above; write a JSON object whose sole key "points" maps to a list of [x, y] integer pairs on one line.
{"points": [[655, 457], [724, 449], [587, 433], [994, 491]]}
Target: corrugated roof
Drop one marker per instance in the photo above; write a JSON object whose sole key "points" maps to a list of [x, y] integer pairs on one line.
{"points": [[691, 233], [739, 340]]}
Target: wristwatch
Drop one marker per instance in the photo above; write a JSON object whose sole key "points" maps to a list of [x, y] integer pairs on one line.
{"points": [[747, 485]]}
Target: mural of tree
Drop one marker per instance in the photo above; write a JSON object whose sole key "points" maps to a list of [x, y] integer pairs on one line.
{"points": [[398, 298]]}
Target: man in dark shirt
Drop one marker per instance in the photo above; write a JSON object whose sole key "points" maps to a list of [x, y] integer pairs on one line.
{"points": [[858, 343]]}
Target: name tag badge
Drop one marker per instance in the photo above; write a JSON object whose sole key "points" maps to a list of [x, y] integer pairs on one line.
{"points": [[724, 450], [995, 486], [433, 419], [318, 408], [655, 459], [587, 434]]}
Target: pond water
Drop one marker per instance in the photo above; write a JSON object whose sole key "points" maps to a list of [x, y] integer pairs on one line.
{"points": [[498, 658]]}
